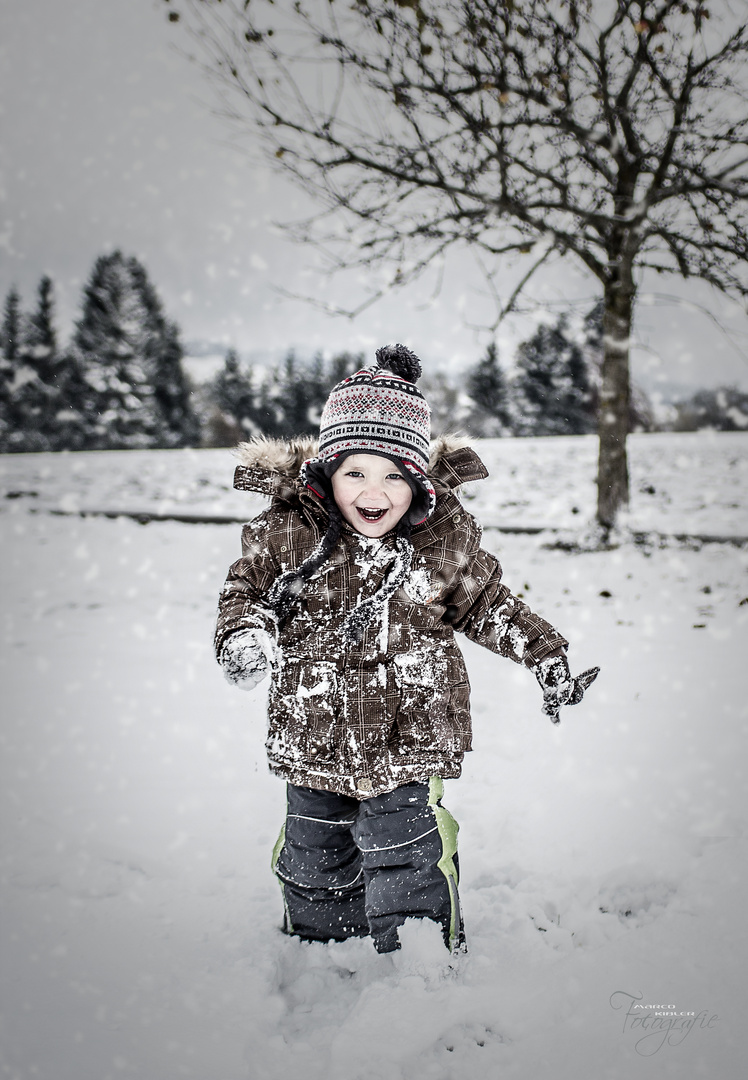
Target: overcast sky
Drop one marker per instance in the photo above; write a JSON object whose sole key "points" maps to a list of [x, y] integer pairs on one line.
{"points": [[107, 140]]}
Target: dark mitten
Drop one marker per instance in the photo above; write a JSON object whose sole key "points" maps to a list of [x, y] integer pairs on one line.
{"points": [[559, 687]]}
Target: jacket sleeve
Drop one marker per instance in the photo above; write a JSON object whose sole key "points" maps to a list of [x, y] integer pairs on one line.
{"points": [[486, 611], [242, 604]]}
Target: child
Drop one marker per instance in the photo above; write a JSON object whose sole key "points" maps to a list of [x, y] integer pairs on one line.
{"points": [[349, 591]]}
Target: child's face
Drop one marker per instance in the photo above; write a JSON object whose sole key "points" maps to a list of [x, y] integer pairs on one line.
{"points": [[371, 493]]}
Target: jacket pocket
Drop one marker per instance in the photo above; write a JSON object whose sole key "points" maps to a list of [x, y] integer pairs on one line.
{"points": [[425, 716], [302, 710]]}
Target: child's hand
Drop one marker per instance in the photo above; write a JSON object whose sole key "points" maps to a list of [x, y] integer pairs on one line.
{"points": [[558, 686], [246, 657]]}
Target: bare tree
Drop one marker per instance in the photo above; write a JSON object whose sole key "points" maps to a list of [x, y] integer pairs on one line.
{"points": [[614, 133]]}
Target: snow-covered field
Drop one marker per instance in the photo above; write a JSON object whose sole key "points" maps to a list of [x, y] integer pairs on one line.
{"points": [[603, 862], [679, 483]]}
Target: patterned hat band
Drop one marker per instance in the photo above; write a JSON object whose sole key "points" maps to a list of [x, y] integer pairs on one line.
{"points": [[377, 439]]}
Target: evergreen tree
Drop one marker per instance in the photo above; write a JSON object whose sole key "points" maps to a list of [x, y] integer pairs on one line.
{"points": [[451, 408], [40, 338], [292, 388], [134, 392], [722, 409], [173, 392], [318, 389], [10, 331], [233, 394], [72, 431], [552, 391], [11, 328], [117, 402], [28, 396], [39, 399], [270, 416], [179, 425], [489, 393]]}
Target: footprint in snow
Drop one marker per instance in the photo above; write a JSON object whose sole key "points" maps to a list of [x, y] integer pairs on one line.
{"points": [[636, 903], [469, 1035]]}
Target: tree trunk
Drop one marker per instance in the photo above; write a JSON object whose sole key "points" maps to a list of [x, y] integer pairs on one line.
{"points": [[613, 416]]}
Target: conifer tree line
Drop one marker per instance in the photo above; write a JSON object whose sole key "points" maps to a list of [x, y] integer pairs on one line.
{"points": [[553, 390], [282, 402], [120, 383]]}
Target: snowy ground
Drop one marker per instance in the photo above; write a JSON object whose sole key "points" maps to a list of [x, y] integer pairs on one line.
{"points": [[603, 862]]}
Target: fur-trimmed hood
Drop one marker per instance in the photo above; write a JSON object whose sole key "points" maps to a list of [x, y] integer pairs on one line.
{"points": [[272, 466]]}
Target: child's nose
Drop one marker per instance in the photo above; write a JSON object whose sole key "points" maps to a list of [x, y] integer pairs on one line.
{"points": [[373, 489]]}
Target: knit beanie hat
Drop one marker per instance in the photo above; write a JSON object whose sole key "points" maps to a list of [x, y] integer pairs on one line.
{"points": [[378, 410]]}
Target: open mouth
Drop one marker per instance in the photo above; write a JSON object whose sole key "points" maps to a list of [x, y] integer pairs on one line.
{"points": [[369, 514]]}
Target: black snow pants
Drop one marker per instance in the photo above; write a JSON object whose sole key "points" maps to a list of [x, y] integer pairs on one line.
{"points": [[350, 868]]}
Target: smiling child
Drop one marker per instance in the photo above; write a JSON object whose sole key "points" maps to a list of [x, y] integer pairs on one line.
{"points": [[349, 591]]}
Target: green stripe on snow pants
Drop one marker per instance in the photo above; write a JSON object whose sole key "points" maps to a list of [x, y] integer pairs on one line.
{"points": [[349, 868]]}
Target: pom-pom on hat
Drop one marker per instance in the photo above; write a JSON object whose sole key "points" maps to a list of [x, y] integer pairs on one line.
{"points": [[379, 410]]}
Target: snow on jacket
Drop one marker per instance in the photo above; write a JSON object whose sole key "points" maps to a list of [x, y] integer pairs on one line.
{"points": [[361, 719]]}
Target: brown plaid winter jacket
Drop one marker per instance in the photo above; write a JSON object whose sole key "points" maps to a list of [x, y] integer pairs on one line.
{"points": [[363, 719]]}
